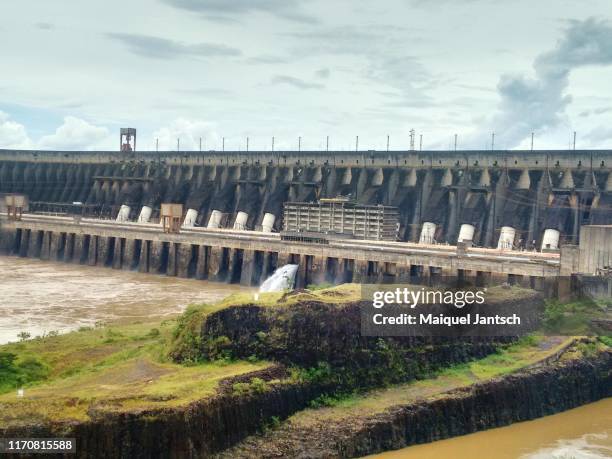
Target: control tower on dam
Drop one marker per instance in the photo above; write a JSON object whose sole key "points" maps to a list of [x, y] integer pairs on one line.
{"points": [[497, 199]]}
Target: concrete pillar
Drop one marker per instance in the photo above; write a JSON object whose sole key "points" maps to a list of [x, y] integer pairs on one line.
{"points": [[45, 247], [402, 273], [215, 265], [485, 178], [79, 254], [302, 278], [524, 181], [268, 266], [447, 178], [35, 243], [378, 177], [318, 270], [234, 266], [103, 249], [155, 257], [570, 260], [567, 181], [202, 264], [93, 250], [411, 178], [129, 252], [498, 278], [248, 267], [172, 259], [143, 259], [56, 246], [283, 259], [118, 252], [343, 271], [24, 243], [69, 248], [360, 271], [183, 260], [347, 177]]}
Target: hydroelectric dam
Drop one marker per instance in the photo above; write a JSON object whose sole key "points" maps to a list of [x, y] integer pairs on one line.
{"points": [[522, 212]]}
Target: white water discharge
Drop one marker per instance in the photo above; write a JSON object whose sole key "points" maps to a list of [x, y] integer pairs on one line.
{"points": [[282, 279]]}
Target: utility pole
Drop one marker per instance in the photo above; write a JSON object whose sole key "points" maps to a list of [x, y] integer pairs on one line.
{"points": [[492, 141], [327, 144], [574, 140], [387, 142], [157, 144], [300, 143], [455, 142], [532, 141], [200, 144], [247, 144], [178, 144], [223, 144], [412, 133], [357, 143], [421, 142], [272, 143]]}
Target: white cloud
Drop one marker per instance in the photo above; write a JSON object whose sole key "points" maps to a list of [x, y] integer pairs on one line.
{"points": [[76, 134], [539, 104], [189, 132], [13, 134]]}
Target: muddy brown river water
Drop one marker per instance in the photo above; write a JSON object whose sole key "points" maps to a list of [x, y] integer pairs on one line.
{"points": [[38, 297], [581, 433]]}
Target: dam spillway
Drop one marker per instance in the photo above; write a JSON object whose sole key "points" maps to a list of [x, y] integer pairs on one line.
{"points": [[525, 190], [507, 198]]}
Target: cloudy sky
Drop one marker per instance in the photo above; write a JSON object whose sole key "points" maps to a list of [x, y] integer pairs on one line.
{"points": [[73, 72]]}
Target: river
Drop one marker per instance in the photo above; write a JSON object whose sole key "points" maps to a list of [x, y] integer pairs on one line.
{"points": [[581, 433], [38, 296]]}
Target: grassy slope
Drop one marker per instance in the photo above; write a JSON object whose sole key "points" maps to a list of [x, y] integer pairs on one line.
{"points": [[119, 368]]}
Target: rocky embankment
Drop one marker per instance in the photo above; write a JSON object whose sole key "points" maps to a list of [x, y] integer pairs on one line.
{"points": [[525, 395], [306, 331]]}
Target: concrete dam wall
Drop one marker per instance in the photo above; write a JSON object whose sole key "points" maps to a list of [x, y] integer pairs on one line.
{"points": [[498, 197]]}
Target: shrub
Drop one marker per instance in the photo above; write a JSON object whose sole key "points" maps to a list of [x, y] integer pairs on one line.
{"points": [[14, 373]]}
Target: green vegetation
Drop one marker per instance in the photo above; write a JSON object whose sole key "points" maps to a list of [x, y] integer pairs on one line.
{"points": [[573, 318], [255, 386], [16, 373], [524, 353], [72, 376]]}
